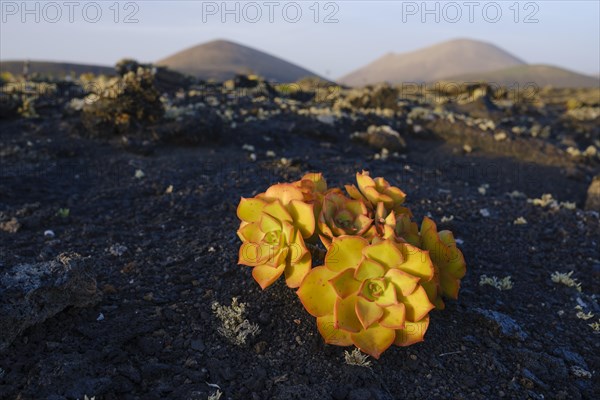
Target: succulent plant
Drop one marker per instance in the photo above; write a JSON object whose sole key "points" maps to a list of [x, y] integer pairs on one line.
{"points": [[369, 295], [405, 229], [274, 225], [374, 191], [381, 275], [448, 261], [341, 215], [312, 185], [392, 224]]}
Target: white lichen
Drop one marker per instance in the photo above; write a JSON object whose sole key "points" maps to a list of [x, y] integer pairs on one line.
{"points": [[500, 284], [357, 358], [447, 219], [595, 326], [520, 221], [547, 201], [583, 315], [139, 174], [234, 326], [565, 279], [216, 395]]}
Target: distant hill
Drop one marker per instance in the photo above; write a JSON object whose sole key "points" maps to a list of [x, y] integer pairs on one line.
{"points": [[222, 60], [432, 63], [541, 75], [56, 69]]}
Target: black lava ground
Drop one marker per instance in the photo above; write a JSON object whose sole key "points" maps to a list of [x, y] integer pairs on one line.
{"points": [[158, 338]]}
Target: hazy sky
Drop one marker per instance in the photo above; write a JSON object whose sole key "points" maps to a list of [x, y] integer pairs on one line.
{"points": [[340, 37]]}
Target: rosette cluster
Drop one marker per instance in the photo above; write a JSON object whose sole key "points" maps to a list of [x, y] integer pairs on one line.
{"points": [[381, 274]]}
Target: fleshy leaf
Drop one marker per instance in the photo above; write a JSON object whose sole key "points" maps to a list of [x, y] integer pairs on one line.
{"points": [[325, 239], [285, 192], [374, 196], [393, 316], [396, 194], [265, 275], [318, 181], [449, 286], [447, 258], [251, 233], [364, 180], [356, 206], [367, 312], [369, 269], [303, 215], [455, 262], [431, 288], [416, 261], [297, 247], [331, 334], [413, 332], [345, 314], [417, 304], [315, 292], [388, 297], [374, 340], [250, 210], [345, 252], [277, 211], [296, 272], [253, 254], [344, 283], [385, 253], [405, 283], [268, 223], [354, 192]]}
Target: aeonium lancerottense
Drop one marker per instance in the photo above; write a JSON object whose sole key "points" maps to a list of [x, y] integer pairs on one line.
{"points": [[274, 225], [381, 275]]}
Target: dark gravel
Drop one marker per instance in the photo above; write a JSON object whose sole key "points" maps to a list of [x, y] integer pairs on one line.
{"points": [[174, 252]]}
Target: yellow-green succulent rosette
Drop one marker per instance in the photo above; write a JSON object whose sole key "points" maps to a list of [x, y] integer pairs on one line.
{"points": [[381, 275], [369, 295], [274, 225]]}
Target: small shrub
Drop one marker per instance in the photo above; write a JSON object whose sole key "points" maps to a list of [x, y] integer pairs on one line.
{"points": [[126, 104]]}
